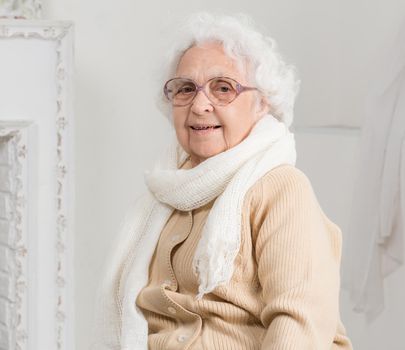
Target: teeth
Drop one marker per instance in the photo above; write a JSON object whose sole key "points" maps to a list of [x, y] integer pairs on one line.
{"points": [[202, 127]]}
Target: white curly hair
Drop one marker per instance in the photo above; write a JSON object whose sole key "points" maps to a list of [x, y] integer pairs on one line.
{"points": [[241, 41]]}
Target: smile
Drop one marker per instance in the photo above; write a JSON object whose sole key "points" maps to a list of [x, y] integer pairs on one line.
{"points": [[204, 130], [205, 127]]}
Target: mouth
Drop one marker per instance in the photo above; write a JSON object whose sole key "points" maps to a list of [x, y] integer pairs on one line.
{"points": [[204, 130], [204, 127]]}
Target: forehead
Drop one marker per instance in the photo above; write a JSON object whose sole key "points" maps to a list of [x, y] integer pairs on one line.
{"points": [[208, 60]]}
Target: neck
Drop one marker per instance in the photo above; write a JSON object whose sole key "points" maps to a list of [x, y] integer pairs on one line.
{"points": [[195, 161]]}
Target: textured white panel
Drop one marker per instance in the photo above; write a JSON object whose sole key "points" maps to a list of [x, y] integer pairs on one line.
{"points": [[5, 338], [6, 287], [4, 236], [5, 210], [5, 183], [4, 312], [5, 259], [4, 156], [12, 297]]}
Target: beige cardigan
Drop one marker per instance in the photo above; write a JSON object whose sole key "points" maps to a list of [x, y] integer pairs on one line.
{"points": [[284, 293]]}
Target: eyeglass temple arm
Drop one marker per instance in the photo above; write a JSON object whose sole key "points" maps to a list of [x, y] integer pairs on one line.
{"points": [[246, 88]]}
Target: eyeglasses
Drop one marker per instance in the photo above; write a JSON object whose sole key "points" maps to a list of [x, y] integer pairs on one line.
{"points": [[221, 90]]}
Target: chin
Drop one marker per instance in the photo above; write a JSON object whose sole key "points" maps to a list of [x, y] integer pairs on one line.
{"points": [[207, 154]]}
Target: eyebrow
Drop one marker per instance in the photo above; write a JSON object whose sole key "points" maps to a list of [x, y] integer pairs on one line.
{"points": [[216, 74]]}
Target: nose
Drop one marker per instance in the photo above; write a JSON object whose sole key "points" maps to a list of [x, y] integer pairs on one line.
{"points": [[201, 103]]}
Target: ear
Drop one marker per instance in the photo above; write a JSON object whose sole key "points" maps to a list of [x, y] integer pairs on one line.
{"points": [[262, 106]]}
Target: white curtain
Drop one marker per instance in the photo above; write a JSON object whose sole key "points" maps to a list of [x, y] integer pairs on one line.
{"points": [[373, 247]]}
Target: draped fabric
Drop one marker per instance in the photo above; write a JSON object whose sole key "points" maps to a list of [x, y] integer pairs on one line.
{"points": [[373, 247]]}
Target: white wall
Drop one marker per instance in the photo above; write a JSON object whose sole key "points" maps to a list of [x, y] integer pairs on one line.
{"points": [[335, 46], [333, 182]]}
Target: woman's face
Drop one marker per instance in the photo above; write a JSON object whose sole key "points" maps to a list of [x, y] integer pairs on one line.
{"points": [[235, 119]]}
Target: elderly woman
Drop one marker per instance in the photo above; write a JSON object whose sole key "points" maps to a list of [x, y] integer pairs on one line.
{"points": [[229, 248]]}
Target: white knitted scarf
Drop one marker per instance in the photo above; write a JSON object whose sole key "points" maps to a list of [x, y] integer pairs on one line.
{"points": [[119, 324]]}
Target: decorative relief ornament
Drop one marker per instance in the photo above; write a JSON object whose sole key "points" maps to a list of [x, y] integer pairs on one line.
{"points": [[20, 9]]}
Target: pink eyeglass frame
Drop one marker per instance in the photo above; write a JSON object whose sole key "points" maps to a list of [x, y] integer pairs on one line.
{"points": [[239, 89]]}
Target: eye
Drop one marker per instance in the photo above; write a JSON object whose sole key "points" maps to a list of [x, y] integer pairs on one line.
{"points": [[222, 87], [186, 89]]}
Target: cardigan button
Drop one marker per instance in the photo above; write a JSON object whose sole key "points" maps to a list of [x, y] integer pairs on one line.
{"points": [[172, 310], [181, 338], [175, 238]]}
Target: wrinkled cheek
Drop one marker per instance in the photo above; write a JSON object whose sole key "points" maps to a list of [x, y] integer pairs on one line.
{"points": [[183, 138], [226, 139]]}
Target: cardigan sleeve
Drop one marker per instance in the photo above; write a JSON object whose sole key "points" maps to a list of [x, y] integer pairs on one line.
{"points": [[298, 252]]}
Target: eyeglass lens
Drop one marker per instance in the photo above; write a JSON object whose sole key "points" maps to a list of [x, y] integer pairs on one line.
{"points": [[219, 90]]}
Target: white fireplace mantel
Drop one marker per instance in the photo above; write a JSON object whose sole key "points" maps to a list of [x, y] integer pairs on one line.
{"points": [[36, 185]]}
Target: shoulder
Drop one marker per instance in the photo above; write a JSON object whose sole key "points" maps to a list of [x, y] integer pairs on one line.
{"points": [[283, 180], [284, 174], [283, 205], [284, 191]]}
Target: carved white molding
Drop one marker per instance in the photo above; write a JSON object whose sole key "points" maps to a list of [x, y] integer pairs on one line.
{"points": [[43, 315], [29, 9]]}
